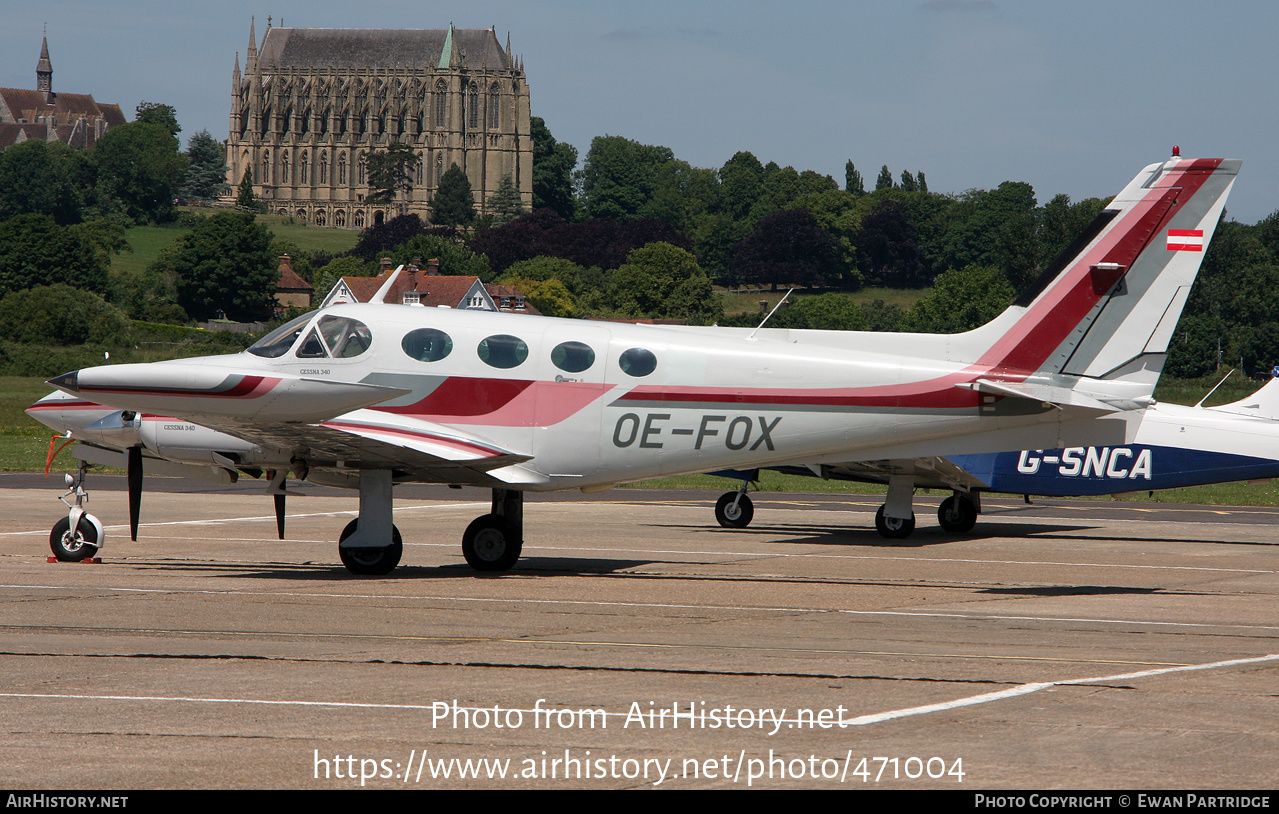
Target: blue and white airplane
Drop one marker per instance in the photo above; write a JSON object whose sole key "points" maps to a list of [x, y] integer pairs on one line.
{"points": [[1174, 446]]}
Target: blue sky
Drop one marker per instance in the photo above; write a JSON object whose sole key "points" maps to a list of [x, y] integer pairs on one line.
{"points": [[1071, 96]]}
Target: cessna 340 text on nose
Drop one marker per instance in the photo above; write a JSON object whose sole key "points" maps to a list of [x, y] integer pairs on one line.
{"points": [[367, 396]]}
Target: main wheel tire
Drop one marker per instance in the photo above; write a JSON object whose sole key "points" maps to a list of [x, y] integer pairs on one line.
{"points": [[489, 545], [734, 517], [894, 528], [370, 562], [69, 547], [957, 515]]}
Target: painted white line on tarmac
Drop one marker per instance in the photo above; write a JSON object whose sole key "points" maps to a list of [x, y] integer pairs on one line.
{"points": [[863, 720], [967, 617], [1026, 689]]}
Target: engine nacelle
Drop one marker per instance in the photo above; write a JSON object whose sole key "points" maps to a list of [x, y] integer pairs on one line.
{"points": [[180, 440], [120, 428]]}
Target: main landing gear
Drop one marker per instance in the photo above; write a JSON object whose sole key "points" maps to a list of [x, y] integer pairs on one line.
{"points": [[371, 545], [493, 541], [79, 535], [895, 520]]}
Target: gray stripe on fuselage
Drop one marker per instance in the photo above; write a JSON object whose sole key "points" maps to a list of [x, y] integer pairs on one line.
{"points": [[420, 386]]}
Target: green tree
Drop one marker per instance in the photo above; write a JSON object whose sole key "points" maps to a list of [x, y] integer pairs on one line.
{"points": [[324, 278], [43, 177], [741, 182], [391, 172], [619, 175], [61, 315], [826, 312], [453, 204], [553, 165], [224, 264], [505, 204], [995, 228], [661, 280], [454, 257], [206, 168], [139, 164], [885, 179], [550, 296], [853, 180], [34, 250], [155, 113], [244, 197], [960, 301], [542, 268]]}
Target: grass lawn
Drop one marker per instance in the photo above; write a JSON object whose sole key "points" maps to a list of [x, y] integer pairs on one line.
{"points": [[24, 442], [311, 238], [148, 241]]}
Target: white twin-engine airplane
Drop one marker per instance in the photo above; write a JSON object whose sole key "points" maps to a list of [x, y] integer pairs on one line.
{"points": [[367, 396]]}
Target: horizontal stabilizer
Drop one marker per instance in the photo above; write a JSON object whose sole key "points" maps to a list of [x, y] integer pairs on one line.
{"points": [[1264, 403], [1055, 396]]}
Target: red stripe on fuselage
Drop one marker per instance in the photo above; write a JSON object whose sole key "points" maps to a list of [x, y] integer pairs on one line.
{"points": [[503, 402]]}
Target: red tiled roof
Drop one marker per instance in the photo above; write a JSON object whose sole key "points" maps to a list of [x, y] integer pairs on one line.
{"points": [[363, 288], [434, 290], [290, 281]]}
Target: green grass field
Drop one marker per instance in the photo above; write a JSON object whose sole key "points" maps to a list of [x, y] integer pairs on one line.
{"points": [[148, 241]]}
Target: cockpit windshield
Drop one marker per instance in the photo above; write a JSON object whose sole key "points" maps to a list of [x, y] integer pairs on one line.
{"points": [[278, 342], [333, 337]]}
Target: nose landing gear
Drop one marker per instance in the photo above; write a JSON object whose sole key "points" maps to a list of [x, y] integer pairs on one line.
{"points": [[79, 535]]}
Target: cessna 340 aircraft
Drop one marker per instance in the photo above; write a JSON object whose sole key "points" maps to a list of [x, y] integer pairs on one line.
{"points": [[366, 396]]}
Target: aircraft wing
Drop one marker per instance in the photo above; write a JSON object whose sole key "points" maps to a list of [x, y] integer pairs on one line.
{"points": [[414, 450], [929, 473]]}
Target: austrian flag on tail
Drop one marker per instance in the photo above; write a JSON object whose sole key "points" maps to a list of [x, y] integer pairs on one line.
{"points": [[1185, 240]]}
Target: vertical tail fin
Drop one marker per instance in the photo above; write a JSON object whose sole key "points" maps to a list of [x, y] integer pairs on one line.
{"points": [[1108, 307]]}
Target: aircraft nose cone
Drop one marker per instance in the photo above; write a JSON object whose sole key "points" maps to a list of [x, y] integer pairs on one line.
{"points": [[67, 382]]}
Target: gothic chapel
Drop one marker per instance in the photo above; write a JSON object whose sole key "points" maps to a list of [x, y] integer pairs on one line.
{"points": [[313, 102]]}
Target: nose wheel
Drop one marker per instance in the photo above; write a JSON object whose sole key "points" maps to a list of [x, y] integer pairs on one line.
{"points": [[78, 545], [78, 536]]}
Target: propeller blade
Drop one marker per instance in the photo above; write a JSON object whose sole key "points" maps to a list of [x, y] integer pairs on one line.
{"points": [[279, 514], [135, 489]]}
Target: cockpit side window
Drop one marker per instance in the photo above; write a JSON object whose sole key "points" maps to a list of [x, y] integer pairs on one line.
{"points": [[346, 337], [312, 347]]}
